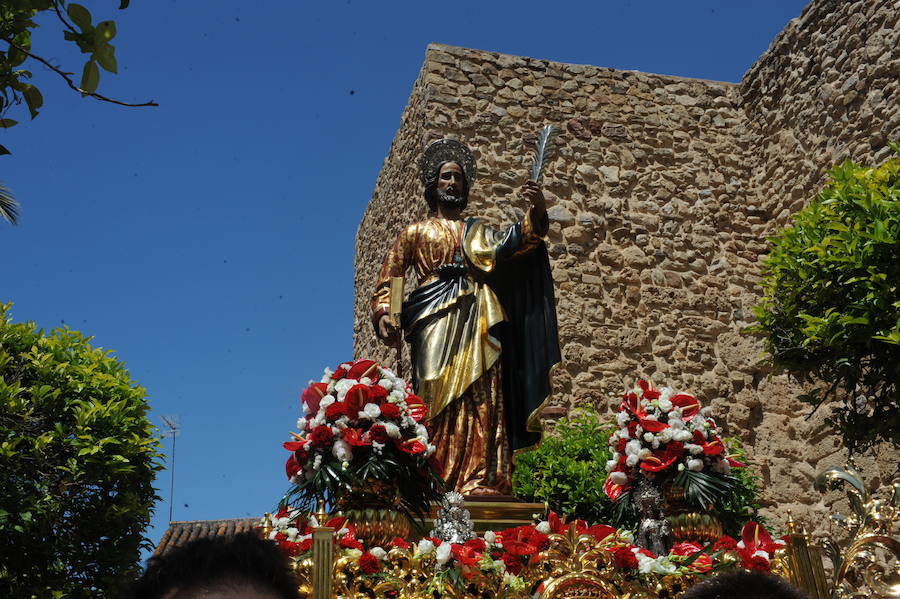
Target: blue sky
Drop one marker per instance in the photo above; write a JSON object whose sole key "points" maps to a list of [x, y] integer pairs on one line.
{"points": [[210, 241]]}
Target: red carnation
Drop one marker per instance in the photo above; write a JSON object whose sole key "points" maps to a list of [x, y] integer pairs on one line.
{"points": [[368, 563], [304, 546], [336, 410], [757, 562], [291, 467], [478, 544], [377, 394], [378, 433], [625, 559], [513, 564], [349, 541], [725, 543], [322, 436], [698, 437], [620, 445], [389, 410], [399, 542]]}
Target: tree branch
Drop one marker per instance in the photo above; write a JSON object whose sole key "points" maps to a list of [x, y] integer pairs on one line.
{"points": [[71, 83], [61, 18]]}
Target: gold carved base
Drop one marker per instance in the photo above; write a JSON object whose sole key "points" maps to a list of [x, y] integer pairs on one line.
{"points": [[498, 514]]}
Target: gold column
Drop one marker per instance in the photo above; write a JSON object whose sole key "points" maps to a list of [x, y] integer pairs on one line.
{"points": [[323, 556]]}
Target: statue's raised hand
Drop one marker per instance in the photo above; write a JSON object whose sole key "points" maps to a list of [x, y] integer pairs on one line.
{"points": [[387, 331], [531, 191]]}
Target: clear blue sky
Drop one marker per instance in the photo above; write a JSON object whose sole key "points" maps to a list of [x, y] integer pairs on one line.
{"points": [[210, 241]]}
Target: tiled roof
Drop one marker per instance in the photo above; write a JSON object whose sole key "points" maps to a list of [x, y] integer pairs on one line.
{"points": [[183, 532]]}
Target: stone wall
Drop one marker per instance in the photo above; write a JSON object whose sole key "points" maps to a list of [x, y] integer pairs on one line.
{"points": [[663, 192]]}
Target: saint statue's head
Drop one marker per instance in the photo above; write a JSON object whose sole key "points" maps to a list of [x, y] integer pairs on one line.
{"points": [[447, 169]]}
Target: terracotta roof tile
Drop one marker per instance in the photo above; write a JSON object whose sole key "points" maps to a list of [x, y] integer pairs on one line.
{"points": [[183, 532]]}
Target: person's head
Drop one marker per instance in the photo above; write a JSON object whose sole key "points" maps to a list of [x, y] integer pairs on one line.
{"points": [[447, 185], [744, 585], [447, 168], [239, 567]]}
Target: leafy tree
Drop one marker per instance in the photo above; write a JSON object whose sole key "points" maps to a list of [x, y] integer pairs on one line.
{"points": [[568, 469], [17, 20], [831, 305], [77, 461]]}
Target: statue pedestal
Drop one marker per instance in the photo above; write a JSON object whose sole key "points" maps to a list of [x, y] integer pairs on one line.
{"points": [[498, 512]]}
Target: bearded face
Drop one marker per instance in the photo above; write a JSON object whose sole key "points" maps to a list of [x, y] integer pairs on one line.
{"points": [[449, 187]]}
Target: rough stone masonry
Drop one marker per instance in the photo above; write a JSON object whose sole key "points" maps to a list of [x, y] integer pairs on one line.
{"points": [[663, 193]]}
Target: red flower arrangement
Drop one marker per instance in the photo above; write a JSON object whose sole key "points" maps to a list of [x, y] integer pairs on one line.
{"points": [[361, 429]]}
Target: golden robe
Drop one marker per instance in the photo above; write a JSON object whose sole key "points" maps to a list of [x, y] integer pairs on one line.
{"points": [[450, 322]]}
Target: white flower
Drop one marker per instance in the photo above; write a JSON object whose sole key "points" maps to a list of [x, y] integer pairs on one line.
{"points": [[644, 453], [429, 450], [421, 431], [326, 401], [353, 553], [626, 536], [378, 552], [648, 437], [655, 443], [695, 465], [386, 383], [631, 460], [665, 435], [618, 478], [273, 534], [761, 553], [344, 385], [499, 565], [341, 532], [366, 381], [513, 582], [665, 394], [490, 536], [676, 423], [342, 450], [292, 532], [372, 411], [622, 418], [392, 430], [633, 447], [442, 554], [424, 546], [662, 565], [301, 424], [705, 411], [682, 435], [692, 448], [740, 544], [326, 375], [665, 405], [543, 527], [611, 464]]}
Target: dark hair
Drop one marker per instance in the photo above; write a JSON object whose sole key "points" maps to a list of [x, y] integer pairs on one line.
{"points": [[216, 563], [744, 585], [431, 181]]}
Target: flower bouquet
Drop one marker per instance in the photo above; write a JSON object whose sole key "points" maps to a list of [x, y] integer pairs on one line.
{"points": [[667, 438], [361, 441]]}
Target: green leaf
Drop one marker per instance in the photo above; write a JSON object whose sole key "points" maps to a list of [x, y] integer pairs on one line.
{"points": [[4, 151], [90, 78], [105, 55], [33, 99], [106, 30], [80, 16], [123, 4], [7, 123]]}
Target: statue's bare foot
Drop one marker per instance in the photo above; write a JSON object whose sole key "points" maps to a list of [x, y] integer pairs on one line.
{"points": [[483, 492]]}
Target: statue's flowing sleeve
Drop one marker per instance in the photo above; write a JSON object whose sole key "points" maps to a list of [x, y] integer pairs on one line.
{"points": [[516, 265], [399, 258]]}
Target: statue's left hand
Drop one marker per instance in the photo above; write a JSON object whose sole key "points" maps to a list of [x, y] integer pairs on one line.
{"points": [[532, 192]]}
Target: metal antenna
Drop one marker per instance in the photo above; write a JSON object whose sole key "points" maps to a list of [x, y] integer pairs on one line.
{"points": [[173, 427]]}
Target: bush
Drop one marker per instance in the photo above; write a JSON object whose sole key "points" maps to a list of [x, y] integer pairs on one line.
{"points": [[77, 462], [568, 469], [831, 305]]}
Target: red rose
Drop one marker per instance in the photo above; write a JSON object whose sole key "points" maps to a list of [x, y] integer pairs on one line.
{"points": [[301, 456], [699, 439], [336, 410], [632, 428], [620, 445], [304, 546], [625, 559], [368, 563], [389, 410], [478, 544], [378, 433], [322, 436]]}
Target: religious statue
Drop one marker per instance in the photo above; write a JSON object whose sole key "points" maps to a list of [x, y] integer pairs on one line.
{"points": [[481, 325]]}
